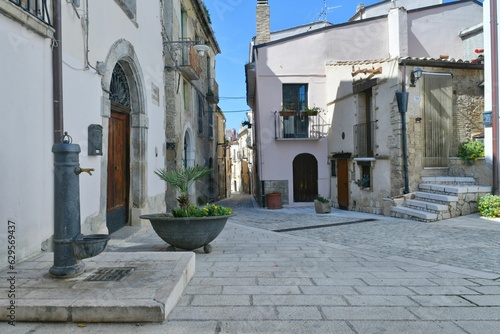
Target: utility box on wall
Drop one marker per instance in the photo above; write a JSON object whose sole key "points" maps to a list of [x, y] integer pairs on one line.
{"points": [[95, 140]]}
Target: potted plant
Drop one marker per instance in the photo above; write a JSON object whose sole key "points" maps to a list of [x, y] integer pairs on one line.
{"points": [[312, 111], [322, 205], [188, 226]]}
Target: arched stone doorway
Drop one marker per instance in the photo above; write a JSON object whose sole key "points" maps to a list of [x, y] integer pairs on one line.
{"points": [[127, 112], [118, 185], [305, 178]]}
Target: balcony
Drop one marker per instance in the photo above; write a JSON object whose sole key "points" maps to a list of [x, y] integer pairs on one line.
{"points": [[290, 125], [189, 63], [213, 91], [364, 139]]}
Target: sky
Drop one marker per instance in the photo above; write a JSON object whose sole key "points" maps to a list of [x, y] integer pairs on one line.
{"points": [[233, 22]]}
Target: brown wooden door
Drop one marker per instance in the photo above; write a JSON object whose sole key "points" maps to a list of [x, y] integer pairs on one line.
{"points": [[118, 169], [342, 184], [305, 178]]}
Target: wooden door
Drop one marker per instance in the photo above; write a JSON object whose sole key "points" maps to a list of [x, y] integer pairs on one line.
{"points": [[305, 178], [118, 169], [342, 184], [437, 122]]}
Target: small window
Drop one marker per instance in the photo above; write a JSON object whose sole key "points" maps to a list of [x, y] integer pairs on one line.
{"points": [[365, 177], [364, 181], [333, 166]]}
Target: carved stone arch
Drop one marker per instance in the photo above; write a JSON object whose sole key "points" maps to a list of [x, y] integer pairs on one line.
{"points": [[122, 53]]}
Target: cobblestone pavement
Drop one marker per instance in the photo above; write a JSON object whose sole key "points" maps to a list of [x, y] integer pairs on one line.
{"points": [[474, 245]]}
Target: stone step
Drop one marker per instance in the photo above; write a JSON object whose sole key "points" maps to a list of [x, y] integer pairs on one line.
{"points": [[409, 213], [453, 189], [426, 206], [448, 180], [440, 198]]}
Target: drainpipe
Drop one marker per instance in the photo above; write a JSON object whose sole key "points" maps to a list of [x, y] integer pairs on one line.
{"points": [[494, 90], [402, 99], [57, 84]]}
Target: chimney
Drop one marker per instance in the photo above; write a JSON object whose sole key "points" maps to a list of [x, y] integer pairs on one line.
{"points": [[263, 22]]}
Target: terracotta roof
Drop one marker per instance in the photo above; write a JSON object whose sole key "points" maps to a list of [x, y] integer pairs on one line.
{"points": [[358, 62], [478, 60]]}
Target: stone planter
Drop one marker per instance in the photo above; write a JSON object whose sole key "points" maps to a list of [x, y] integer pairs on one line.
{"points": [[187, 233], [321, 207]]}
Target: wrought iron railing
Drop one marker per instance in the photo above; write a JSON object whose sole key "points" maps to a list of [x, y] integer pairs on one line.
{"points": [[364, 139], [37, 8], [292, 125]]}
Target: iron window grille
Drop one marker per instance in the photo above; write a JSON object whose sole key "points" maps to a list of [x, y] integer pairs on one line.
{"points": [[36, 8]]}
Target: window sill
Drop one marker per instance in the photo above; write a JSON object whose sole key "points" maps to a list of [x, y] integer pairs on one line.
{"points": [[26, 19]]}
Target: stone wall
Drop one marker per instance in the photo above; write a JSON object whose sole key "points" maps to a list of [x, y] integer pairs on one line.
{"points": [[468, 107], [277, 186], [480, 170]]}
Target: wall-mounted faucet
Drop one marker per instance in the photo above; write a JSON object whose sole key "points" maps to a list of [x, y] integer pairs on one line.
{"points": [[79, 170]]}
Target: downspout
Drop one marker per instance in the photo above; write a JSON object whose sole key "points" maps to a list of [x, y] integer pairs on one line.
{"points": [[403, 128], [57, 81], [494, 90]]}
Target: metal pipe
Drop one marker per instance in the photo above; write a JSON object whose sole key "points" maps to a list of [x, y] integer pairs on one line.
{"points": [[57, 81], [403, 125], [494, 90]]}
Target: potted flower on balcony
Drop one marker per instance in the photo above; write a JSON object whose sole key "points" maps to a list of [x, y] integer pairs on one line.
{"points": [[322, 205], [188, 226], [312, 111]]}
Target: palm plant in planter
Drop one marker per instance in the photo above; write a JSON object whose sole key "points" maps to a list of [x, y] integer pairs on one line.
{"points": [[188, 226]]}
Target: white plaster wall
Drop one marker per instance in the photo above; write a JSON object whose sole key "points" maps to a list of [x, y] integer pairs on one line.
{"points": [[26, 172], [430, 30], [26, 130], [83, 95]]}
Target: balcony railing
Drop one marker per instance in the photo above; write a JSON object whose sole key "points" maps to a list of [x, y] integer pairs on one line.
{"points": [[292, 125], [213, 91], [190, 62], [36, 8], [364, 139]]}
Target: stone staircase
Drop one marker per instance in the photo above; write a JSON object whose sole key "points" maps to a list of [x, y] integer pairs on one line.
{"points": [[441, 198]]}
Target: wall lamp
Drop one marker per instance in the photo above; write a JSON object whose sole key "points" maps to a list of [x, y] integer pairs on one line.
{"points": [[415, 75]]}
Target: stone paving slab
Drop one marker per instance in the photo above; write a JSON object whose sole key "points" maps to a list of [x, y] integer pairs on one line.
{"points": [[147, 294], [260, 281]]}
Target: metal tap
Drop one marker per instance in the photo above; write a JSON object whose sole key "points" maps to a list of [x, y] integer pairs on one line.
{"points": [[79, 170]]}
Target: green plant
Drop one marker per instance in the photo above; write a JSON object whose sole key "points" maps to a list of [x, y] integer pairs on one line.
{"points": [[216, 210], [312, 111], [489, 206], [207, 13], [364, 182], [182, 179], [469, 151], [322, 199]]}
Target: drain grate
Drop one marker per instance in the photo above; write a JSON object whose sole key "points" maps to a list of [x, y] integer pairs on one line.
{"points": [[110, 274], [325, 225]]}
